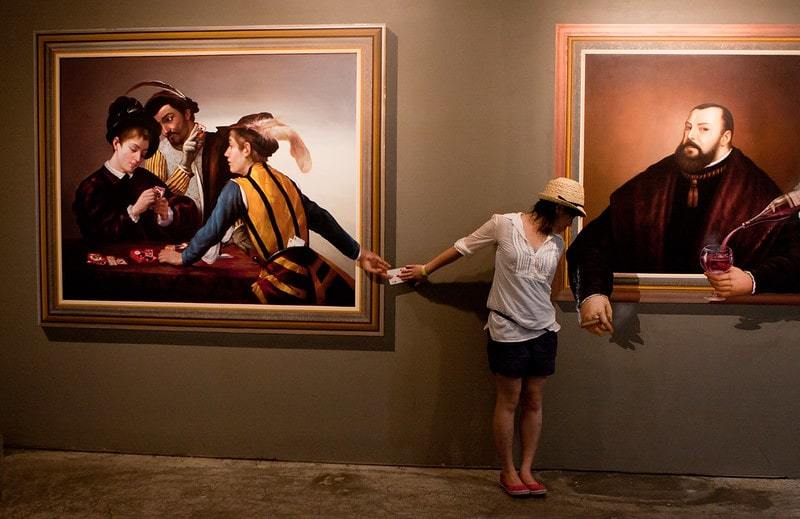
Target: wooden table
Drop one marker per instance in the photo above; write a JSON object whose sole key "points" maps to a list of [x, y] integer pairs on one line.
{"points": [[227, 280]]}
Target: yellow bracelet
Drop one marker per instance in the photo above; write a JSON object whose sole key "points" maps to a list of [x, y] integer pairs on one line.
{"points": [[424, 272]]}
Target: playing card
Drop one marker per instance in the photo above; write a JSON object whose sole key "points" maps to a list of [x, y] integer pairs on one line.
{"points": [[394, 276], [296, 241]]}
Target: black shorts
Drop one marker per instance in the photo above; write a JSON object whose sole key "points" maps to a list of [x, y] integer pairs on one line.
{"points": [[532, 358]]}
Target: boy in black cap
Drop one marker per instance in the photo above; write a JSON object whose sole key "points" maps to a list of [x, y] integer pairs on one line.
{"points": [[122, 201]]}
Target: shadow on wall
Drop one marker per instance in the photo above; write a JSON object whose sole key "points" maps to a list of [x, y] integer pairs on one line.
{"points": [[464, 391], [627, 327], [465, 296]]}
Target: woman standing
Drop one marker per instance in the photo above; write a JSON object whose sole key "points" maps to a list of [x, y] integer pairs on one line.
{"points": [[522, 328]]}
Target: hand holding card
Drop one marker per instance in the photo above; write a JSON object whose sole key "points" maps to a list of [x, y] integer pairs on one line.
{"points": [[394, 276]]}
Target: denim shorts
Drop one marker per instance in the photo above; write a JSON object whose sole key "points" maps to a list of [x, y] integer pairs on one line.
{"points": [[532, 358]]}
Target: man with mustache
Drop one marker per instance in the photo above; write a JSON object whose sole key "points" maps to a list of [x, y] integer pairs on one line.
{"points": [[189, 158], [659, 220]]}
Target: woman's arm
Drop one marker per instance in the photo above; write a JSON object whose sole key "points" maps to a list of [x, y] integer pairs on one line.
{"points": [[485, 235], [418, 272]]}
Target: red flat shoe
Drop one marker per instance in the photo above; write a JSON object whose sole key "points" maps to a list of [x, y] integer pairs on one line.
{"points": [[536, 488], [515, 490]]}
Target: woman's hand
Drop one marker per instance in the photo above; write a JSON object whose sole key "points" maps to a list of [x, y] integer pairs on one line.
{"points": [[420, 272], [413, 273], [169, 255]]}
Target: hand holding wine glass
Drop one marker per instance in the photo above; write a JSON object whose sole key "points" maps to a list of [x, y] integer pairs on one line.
{"points": [[716, 258]]}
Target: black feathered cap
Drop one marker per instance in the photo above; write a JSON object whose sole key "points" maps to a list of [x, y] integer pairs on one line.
{"points": [[125, 113], [168, 95]]}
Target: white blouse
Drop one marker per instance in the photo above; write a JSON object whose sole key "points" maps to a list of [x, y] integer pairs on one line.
{"points": [[522, 278]]}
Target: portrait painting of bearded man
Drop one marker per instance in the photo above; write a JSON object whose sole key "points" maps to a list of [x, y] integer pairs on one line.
{"points": [[677, 151]]}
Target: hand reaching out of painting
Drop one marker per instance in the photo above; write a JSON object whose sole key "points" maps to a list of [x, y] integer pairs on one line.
{"points": [[372, 263], [596, 315]]}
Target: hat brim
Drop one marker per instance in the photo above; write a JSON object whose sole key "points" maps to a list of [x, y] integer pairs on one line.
{"points": [[561, 201]]}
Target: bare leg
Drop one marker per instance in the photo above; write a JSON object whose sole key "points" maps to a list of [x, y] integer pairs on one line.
{"points": [[507, 398], [530, 423]]}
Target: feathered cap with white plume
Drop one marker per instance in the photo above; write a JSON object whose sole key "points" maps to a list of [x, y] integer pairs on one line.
{"points": [[268, 130]]}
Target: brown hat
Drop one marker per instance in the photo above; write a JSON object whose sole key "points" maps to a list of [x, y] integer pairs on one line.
{"points": [[566, 192]]}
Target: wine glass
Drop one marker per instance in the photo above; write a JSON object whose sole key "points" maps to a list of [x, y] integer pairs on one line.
{"points": [[716, 258]]}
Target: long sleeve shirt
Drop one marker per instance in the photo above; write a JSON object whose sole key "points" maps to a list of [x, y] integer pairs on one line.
{"points": [[523, 276], [231, 206]]}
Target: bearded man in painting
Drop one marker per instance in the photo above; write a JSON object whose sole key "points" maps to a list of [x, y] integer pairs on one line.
{"points": [[659, 220]]}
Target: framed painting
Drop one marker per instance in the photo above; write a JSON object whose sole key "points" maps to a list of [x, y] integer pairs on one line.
{"points": [[318, 89], [630, 101]]}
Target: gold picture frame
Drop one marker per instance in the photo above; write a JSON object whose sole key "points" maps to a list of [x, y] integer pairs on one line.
{"points": [[623, 93], [328, 82]]}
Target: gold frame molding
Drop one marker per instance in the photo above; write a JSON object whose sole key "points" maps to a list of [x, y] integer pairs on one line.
{"points": [[365, 43], [573, 43]]}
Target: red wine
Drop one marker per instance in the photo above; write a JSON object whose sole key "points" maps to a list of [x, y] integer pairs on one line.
{"points": [[714, 258], [717, 263]]}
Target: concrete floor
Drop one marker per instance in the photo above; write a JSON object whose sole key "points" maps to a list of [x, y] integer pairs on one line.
{"points": [[43, 484]]}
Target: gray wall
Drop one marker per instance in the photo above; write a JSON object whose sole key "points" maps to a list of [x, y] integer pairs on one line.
{"points": [[683, 389]]}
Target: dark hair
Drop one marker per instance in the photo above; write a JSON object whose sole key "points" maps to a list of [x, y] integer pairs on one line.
{"points": [[727, 116], [165, 97], [263, 147], [126, 113], [133, 132], [545, 214]]}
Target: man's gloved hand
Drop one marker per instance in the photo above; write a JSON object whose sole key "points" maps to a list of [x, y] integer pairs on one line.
{"points": [[191, 146]]}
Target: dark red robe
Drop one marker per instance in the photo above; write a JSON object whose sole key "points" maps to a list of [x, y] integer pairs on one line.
{"points": [[648, 227]]}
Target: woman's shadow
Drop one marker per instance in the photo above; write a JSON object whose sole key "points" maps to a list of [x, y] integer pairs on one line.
{"points": [[464, 391], [470, 296]]}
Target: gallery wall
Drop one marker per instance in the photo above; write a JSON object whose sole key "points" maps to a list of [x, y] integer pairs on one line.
{"points": [[469, 132]]}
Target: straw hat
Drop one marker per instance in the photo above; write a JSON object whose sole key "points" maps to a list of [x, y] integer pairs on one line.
{"points": [[566, 192]]}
